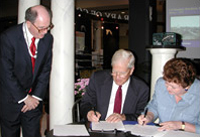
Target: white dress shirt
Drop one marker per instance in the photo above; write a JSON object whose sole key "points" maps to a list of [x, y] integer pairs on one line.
{"points": [[112, 97]]}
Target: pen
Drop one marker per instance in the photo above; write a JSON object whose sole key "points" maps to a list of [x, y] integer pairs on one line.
{"points": [[95, 112], [145, 114], [157, 125]]}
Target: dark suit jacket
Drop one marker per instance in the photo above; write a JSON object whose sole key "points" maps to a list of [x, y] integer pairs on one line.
{"points": [[99, 91], [16, 77]]}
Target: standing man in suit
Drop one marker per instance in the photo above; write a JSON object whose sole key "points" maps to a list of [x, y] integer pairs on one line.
{"points": [[23, 83], [99, 101]]}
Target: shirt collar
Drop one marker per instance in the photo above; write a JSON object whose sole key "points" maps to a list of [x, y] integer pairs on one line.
{"points": [[125, 84], [189, 96], [28, 36]]}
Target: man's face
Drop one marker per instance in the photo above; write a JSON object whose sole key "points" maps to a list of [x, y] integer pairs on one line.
{"points": [[41, 25], [38, 29], [121, 72]]}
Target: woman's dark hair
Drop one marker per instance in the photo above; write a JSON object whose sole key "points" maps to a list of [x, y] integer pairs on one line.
{"points": [[179, 71]]}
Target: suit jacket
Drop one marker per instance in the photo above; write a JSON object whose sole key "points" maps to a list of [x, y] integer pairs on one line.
{"points": [[16, 77], [99, 91]]}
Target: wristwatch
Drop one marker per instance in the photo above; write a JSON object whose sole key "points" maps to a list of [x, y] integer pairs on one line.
{"points": [[183, 126]]}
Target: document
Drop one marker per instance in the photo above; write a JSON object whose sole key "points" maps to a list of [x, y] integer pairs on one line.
{"points": [[146, 130], [152, 131], [70, 130], [106, 126], [180, 134]]}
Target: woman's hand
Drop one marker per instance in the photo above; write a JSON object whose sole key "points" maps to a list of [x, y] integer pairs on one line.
{"points": [[170, 125], [142, 120]]}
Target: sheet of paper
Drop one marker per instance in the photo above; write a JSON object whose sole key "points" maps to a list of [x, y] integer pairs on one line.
{"points": [[146, 130], [180, 134], [151, 131], [70, 130], [105, 126]]}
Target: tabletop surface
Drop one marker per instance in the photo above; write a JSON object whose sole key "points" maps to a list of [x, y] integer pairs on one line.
{"points": [[121, 133], [95, 134], [99, 134], [165, 47]]}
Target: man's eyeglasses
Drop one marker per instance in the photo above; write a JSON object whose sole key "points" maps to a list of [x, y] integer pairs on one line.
{"points": [[120, 74], [43, 29]]}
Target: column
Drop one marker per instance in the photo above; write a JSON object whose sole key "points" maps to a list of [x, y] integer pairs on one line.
{"points": [[97, 35], [139, 33], [159, 57], [62, 73], [23, 5], [96, 54]]}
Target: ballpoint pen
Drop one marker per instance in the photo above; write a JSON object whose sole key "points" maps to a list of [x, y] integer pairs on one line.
{"points": [[95, 112], [145, 114]]}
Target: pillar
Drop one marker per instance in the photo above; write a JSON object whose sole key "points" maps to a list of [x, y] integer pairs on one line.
{"points": [[159, 57], [97, 35], [139, 35], [23, 5], [62, 73], [96, 54]]}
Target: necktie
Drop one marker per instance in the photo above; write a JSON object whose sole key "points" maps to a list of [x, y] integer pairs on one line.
{"points": [[33, 50], [118, 100]]}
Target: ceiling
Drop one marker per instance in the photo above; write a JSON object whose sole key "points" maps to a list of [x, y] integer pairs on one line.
{"points": [[10, 7], [111, 6], [103, 5]]}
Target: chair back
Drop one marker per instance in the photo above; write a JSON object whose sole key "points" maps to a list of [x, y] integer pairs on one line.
{"points": [[76, 111]]}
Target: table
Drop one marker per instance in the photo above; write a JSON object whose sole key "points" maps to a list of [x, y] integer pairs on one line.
{"points": [[127, 134], [94, 134]]}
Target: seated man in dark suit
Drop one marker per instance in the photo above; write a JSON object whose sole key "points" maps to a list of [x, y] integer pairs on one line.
{"points": [[115, 95]]}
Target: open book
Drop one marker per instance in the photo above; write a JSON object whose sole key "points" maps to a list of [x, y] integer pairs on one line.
{"points": [[105, 126]]}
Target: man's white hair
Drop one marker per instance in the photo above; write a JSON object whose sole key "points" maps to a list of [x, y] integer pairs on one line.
{"points": [[123, 55]]}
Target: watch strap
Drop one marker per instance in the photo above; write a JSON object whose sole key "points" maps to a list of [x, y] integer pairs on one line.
{"points": [[183, 126]]}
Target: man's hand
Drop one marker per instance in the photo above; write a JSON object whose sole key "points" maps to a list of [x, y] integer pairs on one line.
{"points": [[92, 117], [30, 103], [115, 117]]}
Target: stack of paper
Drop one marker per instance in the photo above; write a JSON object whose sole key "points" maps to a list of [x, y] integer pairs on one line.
{"points": [[152, 131], [146, 130], [180, 134], [105, 127], [70, 130]]}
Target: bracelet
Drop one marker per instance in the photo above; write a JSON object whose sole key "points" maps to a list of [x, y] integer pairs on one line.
{"points": [[183, 126]]}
